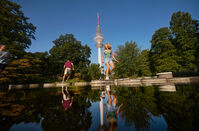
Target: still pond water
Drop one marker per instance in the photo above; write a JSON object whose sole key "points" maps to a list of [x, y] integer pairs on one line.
{"points": [[106, 108]]}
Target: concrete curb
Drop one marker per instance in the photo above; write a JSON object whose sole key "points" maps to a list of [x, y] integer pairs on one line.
{"points": [[117, 82], [24, 86], [62, 84], [49, 85], [81, 83]]}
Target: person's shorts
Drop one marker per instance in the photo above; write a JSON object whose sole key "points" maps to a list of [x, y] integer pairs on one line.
{"points": [[2, 66], [108, 60], [66, 97], [67, 71]]}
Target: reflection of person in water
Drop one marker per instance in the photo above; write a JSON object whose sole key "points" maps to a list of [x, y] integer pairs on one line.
{"points": [[67, 100], [112, 112]]}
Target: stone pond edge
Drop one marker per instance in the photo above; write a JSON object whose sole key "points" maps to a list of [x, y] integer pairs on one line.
{"points": [[118, 82]]}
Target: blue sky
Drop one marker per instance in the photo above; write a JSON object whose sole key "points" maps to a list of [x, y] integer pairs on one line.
{"points": [[120, 20]]}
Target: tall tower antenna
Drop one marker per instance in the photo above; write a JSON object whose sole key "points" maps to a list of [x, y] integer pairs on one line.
{"points": [[97, 18]]}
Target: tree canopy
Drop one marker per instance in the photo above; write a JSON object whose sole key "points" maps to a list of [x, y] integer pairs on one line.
{"points": [[144, 67], [128, 57], [163, 52], [184, 30], [94, 71], [15, 30], [66, 47], [176, 48]]}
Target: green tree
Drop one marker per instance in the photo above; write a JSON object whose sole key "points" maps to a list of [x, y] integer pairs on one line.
{"points": [[24, 70], [32, 68], [47, 65], [128, 56], [162, 53], [145, 64], [183, 30], [94, 71], [15, 30], [67, 47], [197, 45]]}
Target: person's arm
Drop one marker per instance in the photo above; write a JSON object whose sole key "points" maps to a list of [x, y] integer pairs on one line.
{"points": [[72, 66], [114, 57], [103, 57], [64, 66], [71, 101], [118, 110], [105, 112]]}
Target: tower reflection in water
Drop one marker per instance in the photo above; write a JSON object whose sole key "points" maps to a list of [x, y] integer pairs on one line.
{"points": [[102, 126], [110, 109]]}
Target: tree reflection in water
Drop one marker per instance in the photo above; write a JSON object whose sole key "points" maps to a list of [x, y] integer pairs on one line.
{"points": [[78, 117], [44, 107], [135, 109], [179, 106], [179, 109]]}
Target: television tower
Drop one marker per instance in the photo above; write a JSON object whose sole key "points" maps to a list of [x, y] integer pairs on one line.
{"points": [[99, 40]]}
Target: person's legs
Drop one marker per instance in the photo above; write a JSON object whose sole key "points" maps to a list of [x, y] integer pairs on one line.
{"points": [[107, 70], [69, 73], [64, 77], [65, 72], [114, 99], [2, 67], [112, 66], [68, 77]]}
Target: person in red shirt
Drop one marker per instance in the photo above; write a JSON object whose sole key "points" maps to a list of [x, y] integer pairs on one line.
{"points": [[68, 66]]}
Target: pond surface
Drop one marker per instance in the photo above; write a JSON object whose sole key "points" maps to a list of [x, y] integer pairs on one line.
{"points": [[106, 108]]}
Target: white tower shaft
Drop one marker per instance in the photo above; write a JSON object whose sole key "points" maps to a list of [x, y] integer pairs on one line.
{"points": [[99, 57]]}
